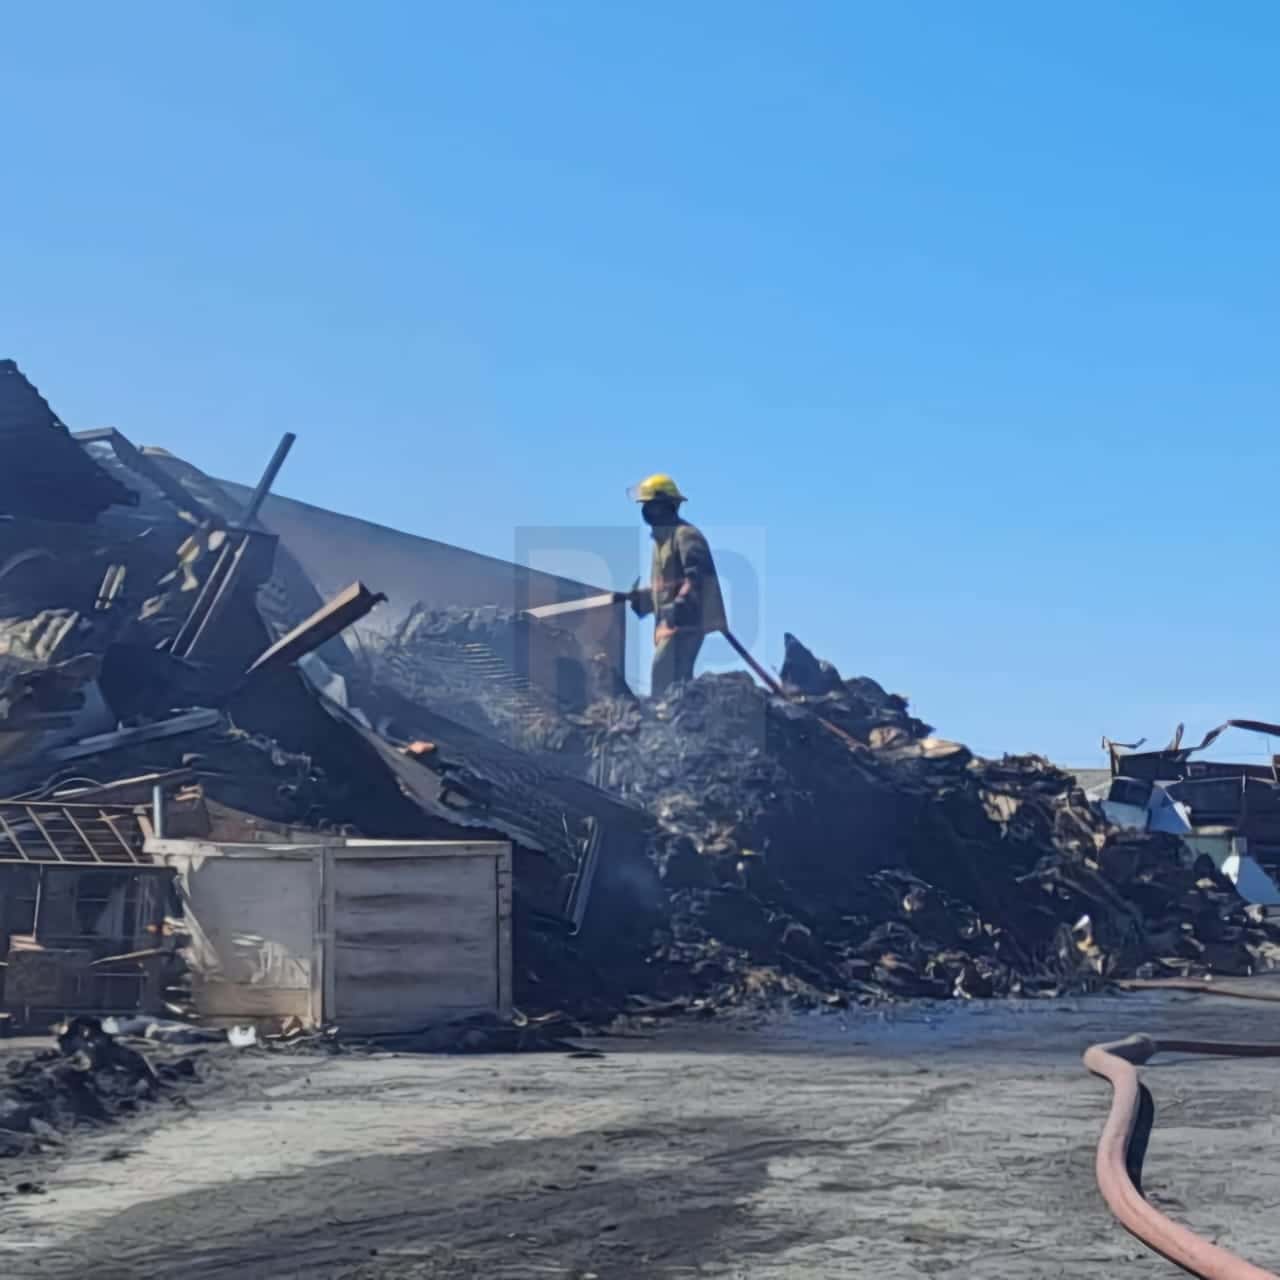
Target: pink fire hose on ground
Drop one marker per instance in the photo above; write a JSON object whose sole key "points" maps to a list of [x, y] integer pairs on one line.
{"points": [[1116, 1062]]}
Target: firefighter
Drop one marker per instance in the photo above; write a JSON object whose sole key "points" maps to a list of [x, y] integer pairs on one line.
{"points": [[683, 592]]}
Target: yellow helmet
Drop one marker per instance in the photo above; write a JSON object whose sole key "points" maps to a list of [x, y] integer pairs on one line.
{"points": [[659, 485]]}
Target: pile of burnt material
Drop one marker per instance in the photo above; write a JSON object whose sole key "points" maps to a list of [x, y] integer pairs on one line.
{"points": [[167, 668], [825, 845], [87, 1077], [718, 844], [798, 862]]}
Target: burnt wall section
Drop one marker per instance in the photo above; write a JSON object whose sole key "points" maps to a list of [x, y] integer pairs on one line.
{"points": [[504, 675], [288, 595], [333, 550]]}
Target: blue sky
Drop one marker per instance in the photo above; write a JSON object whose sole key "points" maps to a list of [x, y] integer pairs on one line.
{"points": [[959, 319]]}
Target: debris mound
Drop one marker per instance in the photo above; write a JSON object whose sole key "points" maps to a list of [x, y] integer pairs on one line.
{"points": [[89, 1077], [798, 865], [859, 704], [167, 665]]}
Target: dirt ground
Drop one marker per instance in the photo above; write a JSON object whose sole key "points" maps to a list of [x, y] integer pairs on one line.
{"points": [[925, 1143]]}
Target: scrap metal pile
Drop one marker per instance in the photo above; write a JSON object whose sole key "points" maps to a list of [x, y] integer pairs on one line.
{"points": [[722, 845]]}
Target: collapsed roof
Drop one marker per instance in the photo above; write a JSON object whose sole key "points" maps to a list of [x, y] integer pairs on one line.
{"points": [[46, 474], [173, 643]]}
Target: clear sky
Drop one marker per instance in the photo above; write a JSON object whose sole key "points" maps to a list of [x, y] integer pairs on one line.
{"points": [[958, 319]]}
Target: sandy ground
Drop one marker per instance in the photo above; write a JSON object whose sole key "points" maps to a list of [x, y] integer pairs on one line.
{"points": [[923, 1144]]}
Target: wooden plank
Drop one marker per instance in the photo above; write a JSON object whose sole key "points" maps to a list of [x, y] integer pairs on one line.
{"points": [[464, 948], [324, 1000], [412, 936], [544, 611], [503, 873], [429, 878], [355, 849], [330, 620], [217, 999], [183, 850], [422, 1017]]}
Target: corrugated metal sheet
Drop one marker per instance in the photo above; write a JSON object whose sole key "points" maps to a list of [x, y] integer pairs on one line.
{"points": [[333, 549], [474, 781]]}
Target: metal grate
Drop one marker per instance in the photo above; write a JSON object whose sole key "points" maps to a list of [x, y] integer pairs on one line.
{"points": [[76, 834]]}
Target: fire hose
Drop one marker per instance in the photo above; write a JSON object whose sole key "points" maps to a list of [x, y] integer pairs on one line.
{"points": [[1117, 1063]]}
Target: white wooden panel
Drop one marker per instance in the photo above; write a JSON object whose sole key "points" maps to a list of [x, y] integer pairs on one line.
{"points": [[252, 924], [372, 935], [413, 938], [502, 870], [228, 1000]]}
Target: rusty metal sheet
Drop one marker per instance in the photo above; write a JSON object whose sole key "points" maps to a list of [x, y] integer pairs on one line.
{"points": [[1174, 763], [545, 611], [1213, 800], [328, 621]]}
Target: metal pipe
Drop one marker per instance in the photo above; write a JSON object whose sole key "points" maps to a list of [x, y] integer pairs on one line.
{"points": [[1115, 1062], [745, 654], [269, 477], [776, 688], [1204, 986], [157, 811]]}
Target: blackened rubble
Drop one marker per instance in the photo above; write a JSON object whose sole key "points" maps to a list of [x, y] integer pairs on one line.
{"points": [[907, 867], [136, 649], [720, 845], [86, 1077], [795, 865]]}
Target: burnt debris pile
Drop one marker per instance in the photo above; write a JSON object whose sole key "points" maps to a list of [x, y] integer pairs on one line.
{"points": [[90, 1077], [799, 864], [723, 845]]}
